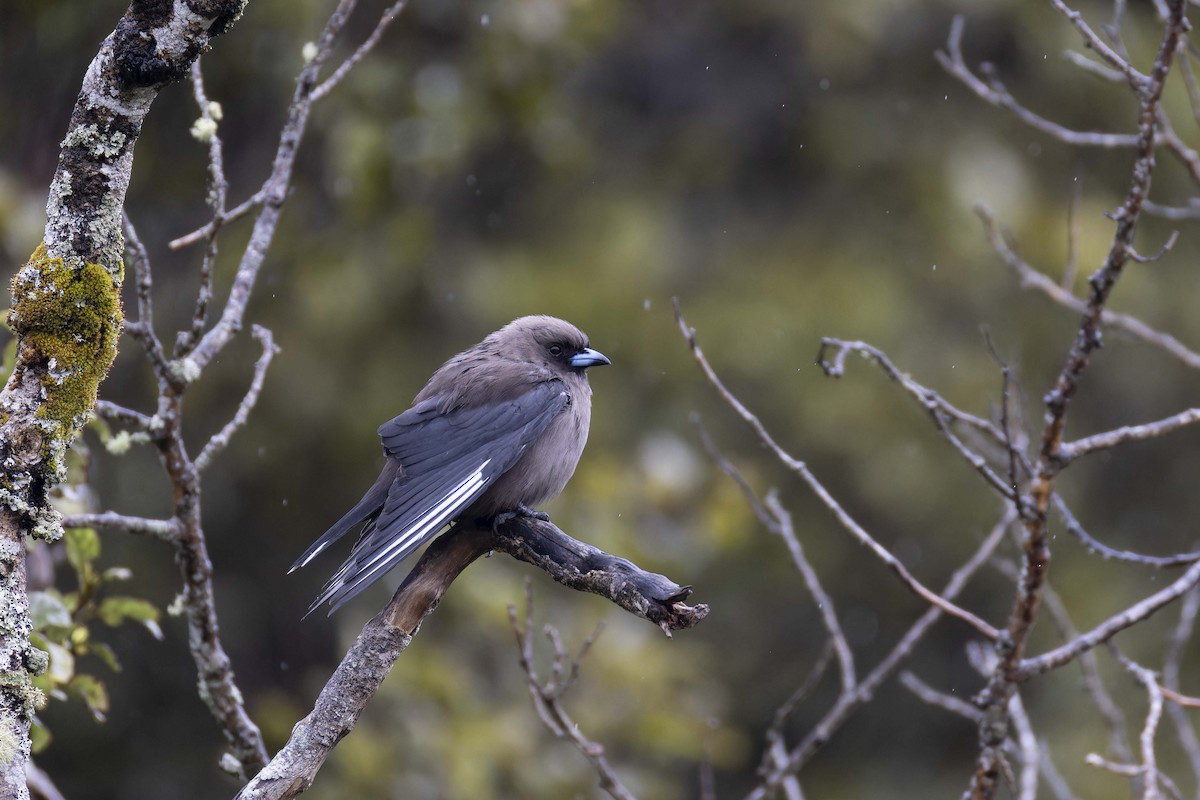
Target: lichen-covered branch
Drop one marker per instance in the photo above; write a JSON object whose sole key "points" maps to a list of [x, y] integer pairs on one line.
{"points": [[569, 561], [67, 316]]}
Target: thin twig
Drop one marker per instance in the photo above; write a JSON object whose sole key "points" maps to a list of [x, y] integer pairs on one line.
{"points": [[844, 519], [164, 529], [940, 411], [777, 520], [994, 93], [1110, 712], [1027, 782], [1139, 82], [774, 774], [220, 440], [116, 413], [1100, 634], [1180, 637], [274, 193], [1129, 433], [1150, 773], [1108, 553], [387, 18], [1031, 278], [927, 694], [235, 213], [217, 195], [547, 696]]}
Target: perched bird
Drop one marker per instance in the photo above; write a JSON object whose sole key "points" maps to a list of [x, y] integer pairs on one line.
{"points": [[497, 429]]}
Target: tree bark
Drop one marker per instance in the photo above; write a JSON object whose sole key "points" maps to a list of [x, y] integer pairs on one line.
{"points": [[66, 313]]}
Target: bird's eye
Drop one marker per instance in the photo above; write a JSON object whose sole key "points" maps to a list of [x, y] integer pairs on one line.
{"points": [[556, 350]]}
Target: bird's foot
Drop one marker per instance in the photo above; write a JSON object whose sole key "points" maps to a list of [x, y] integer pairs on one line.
{"points": [[521, 510]]}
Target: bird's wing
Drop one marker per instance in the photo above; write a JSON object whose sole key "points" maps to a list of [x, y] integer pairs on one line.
{"points": [[447, 460], [369, 506]]}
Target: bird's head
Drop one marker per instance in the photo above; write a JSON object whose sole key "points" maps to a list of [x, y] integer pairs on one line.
{"points": [[550, 341]]}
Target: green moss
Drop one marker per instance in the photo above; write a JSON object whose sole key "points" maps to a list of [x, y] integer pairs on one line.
{"points": [[69, 319]]}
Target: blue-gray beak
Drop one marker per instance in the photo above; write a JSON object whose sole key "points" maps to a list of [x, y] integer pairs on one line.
{"points": [[587, 357]]}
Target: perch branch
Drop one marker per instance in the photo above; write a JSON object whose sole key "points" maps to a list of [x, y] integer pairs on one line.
{"points": [[568, 561]]}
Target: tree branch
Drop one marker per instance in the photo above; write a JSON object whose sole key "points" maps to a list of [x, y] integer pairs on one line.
{"points": [[801, 469], [75, 275], [1036, 556], [547, 695], [570, 562]]}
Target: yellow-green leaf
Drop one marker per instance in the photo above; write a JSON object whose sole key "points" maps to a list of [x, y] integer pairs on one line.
{"points": [[115, 610], [93, 693], [83, 547]]}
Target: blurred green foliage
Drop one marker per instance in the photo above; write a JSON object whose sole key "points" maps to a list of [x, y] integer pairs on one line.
{"points": [[66, 624], [789, 170]]}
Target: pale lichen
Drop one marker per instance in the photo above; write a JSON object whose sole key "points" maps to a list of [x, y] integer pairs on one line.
{"points": [[185, 369], [203, 129]]}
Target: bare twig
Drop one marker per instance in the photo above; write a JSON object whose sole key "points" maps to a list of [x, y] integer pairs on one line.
{"points": [[1150, 772], [776, 519], [1104, 551], [115, 413], [927, 694], [1027, 747], [1180, 636], [235, 213], [220, 440], [1031, 278], [844, 519], [1139, 611], [217, 194], [1110, 712], [1174, 213], [1139, 82], [547, 696], [1129, 433], [1133, 771], [1054, 779], [940, 411], [387, 18], [775, 773], [993, 92], [274, 193], [164, 529], [41, 786]]}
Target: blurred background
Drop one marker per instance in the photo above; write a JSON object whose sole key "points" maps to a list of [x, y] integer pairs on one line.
{"points": [[789, 171]]}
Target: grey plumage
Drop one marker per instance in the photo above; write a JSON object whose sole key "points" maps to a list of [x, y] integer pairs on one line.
{"points": [[498, 428]]}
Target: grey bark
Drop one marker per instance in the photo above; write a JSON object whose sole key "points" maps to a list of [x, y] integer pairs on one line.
{"points": [[153, 44]]}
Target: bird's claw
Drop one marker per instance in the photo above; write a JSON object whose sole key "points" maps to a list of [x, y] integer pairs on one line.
{"points": [[521, 510]]}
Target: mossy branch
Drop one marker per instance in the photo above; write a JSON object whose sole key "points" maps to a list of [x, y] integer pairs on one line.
{"points": [[66, 313]]}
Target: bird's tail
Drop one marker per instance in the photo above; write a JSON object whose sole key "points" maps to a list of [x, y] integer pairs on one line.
{"points": [[367, 507]]}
